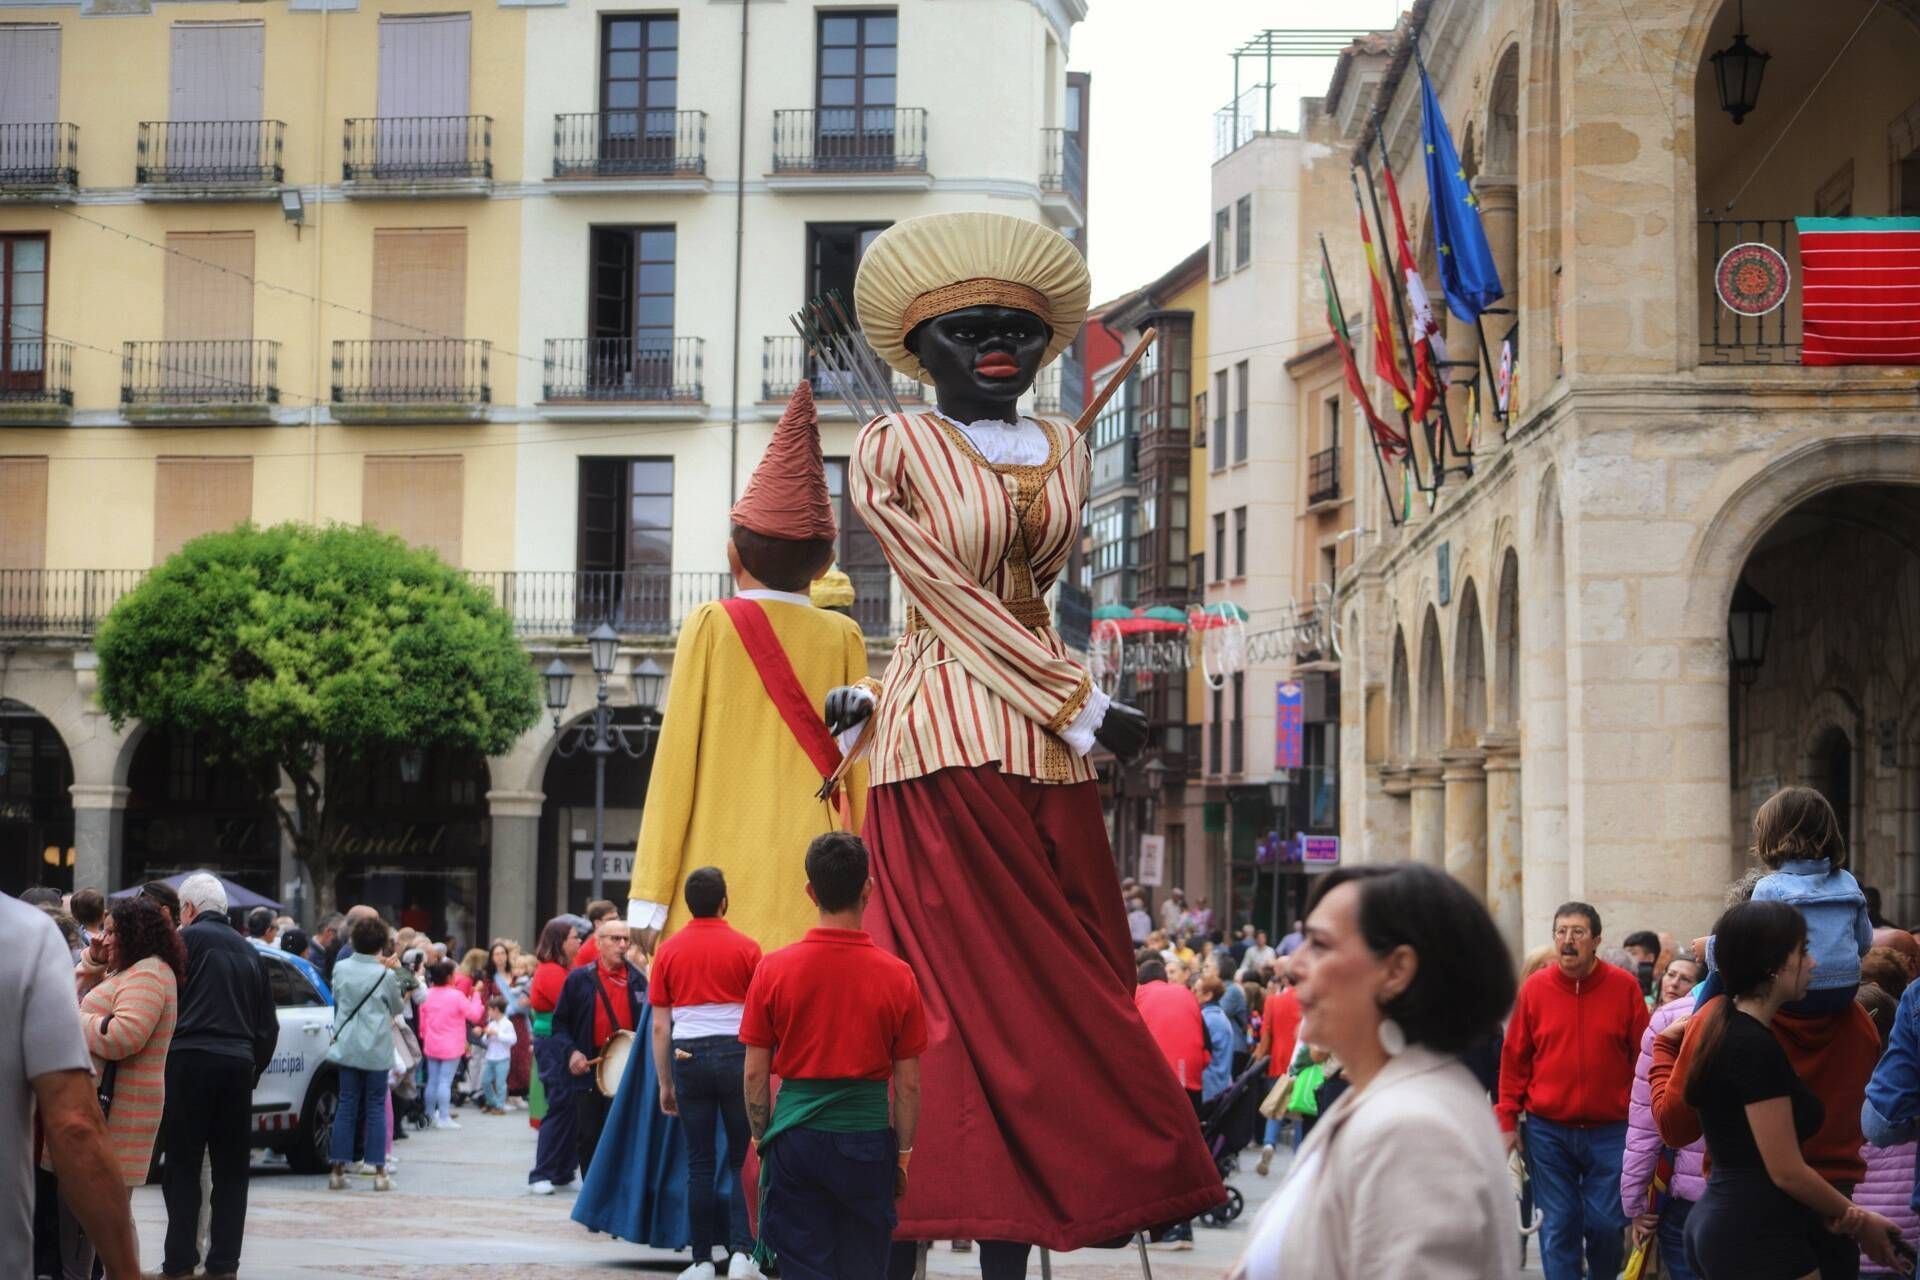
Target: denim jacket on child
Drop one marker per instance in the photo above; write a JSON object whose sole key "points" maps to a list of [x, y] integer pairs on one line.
{"points": [[1838, 931]]}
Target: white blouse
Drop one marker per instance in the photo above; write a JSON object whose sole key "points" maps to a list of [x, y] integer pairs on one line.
{"points": [[1023, 443]]}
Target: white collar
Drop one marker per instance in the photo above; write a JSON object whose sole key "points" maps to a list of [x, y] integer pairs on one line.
{"points": [[993, 424], [768, 593]]}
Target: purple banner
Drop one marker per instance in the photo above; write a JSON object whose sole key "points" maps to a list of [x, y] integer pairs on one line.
{"points": [[1289, 723]]}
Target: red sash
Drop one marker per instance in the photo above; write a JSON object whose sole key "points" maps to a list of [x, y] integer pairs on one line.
{"points": [[790, 697]]}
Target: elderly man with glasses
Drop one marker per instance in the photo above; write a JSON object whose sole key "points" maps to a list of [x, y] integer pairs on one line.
{"points": [[597, 1002], [1568, 1066]]}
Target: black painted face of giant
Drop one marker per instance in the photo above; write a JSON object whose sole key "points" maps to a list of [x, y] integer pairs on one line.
{"points": [[982, 353]]}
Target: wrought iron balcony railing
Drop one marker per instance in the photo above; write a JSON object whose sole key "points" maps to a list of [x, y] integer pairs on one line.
{"points": [[36, 373], [850, 140], [39, 155], [624, 369], [1727, 337], [194, 152], [620, 144], [223, 371], [785, 360], [418, 148], [1063, 164], [413, 371], [1323, 475], [60, 602]]}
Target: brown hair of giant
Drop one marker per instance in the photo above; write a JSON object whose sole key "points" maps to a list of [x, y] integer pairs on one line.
{"points": [[783, 564]]}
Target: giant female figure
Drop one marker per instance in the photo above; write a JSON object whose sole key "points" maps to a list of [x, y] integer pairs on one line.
{"points": [[1051, 1117]]}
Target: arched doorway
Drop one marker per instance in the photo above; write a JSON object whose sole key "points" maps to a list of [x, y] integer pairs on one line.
{"points": [[36, 802], [187, 812], [416, 844], [566, 821], [1823, 702]]}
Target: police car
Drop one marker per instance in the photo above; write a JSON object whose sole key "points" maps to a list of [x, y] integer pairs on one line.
{"points": [[294, 1102]]}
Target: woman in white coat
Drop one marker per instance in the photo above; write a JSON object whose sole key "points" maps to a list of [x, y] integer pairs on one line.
{"points": [[1401, 971]]}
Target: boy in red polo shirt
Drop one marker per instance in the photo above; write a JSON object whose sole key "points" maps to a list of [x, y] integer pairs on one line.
{"points": [[835, 1017], [698, 988]]}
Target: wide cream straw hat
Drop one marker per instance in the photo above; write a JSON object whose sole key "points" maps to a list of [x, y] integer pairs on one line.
{"points": [[944, 262]]}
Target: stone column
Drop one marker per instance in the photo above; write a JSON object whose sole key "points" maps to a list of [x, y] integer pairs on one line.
{"points": [[1504, 857], [1429, 841], [1396, 786], [1498, 197], [99, 825], [513, 875], [1465, 783]]}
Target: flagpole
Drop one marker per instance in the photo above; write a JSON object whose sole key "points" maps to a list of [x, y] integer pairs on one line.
{"points": [[1386, 487], [1406, 421], [1399, 307]]}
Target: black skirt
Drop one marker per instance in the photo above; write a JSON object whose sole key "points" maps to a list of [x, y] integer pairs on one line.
{"points": [[1745, 1228]]}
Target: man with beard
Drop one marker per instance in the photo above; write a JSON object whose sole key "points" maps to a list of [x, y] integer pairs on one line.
{"points": [[1568, 1065]]}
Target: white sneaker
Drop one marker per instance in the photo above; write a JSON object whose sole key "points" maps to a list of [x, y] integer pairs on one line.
{"points": [[444, 1122], [540, 1188], [743, 1267], [698, 1271]]}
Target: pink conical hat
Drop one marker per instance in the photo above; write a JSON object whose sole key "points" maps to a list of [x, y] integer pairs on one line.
{"points": [[787, 496]]}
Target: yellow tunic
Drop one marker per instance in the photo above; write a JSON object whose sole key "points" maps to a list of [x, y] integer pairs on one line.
{"points": [[731, 787]]}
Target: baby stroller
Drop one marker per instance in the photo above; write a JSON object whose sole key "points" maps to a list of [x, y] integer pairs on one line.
{"points": [[1228, 1124]]}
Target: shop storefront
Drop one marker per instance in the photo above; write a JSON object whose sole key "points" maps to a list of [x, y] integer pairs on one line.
{"points": [[36, 803], [186, 812], [415, 844], [566, 823]]}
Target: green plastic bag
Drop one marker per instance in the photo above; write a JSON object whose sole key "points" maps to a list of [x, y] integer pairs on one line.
{"points": [[1305, 1085]]}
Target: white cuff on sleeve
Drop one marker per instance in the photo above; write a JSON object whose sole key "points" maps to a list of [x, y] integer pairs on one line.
{"points": [[1079, 734], [851, 736], [642, 914]]}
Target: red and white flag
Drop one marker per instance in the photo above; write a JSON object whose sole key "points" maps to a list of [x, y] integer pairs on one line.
{"points": [[1860, 291]]}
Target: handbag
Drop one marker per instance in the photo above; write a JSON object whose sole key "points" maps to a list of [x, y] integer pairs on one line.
{"points": [[1274, 1105]]}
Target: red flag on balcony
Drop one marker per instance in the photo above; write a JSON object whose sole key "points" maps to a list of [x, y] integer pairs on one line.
{"points": [[1860, 290], [1427, 342], [1386, 356]]}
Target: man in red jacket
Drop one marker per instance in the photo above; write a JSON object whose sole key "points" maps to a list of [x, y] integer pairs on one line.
{"points": [[1568, 1064], [1172, 1015]]}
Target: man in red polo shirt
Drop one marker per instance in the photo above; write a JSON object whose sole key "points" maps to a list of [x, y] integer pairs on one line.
{"points": [[698, 989], [835, 1017], [1172, 1015]]}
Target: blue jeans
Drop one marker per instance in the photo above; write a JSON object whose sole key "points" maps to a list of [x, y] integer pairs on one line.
{"points": [[493, 1082], [710, 1087], [1576, 1185], [440, 1085], [363, 1106], [1672, 1240]]}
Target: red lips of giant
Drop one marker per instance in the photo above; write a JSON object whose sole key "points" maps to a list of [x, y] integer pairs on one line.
{"points": [[996, 364]]}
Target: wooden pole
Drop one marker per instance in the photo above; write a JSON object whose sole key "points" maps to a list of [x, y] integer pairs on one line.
{"points": [[1092, 411]]}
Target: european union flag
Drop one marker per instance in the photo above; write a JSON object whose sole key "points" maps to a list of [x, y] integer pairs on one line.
{"points": [[1467, 273]]}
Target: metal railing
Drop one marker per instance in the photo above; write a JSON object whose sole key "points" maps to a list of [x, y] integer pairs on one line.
{"points": [[417, 148], [785, 360], [60, 602], [217, 371], [850, 140], [37, 373], [1323, 475], [1063, 165], [624, 369], [1727, 337], [614, 144], [1046, 391], [39, 155], [205, 151], [413, 371]]}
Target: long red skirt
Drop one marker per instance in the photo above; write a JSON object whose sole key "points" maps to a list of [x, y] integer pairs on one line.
{"points": [[1048, 1115]]}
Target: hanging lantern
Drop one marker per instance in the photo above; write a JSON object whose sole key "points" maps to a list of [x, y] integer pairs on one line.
{"points": [[1737, 70], [1749, 625]]}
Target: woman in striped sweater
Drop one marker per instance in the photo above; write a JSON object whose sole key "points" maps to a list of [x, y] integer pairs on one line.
{"points": [[129, 982]]}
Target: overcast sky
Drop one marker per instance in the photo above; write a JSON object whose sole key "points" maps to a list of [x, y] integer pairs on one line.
{"points": [[1161, 68]]}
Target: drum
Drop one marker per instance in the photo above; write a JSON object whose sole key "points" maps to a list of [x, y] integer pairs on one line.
{"points": [[611, 1065]]}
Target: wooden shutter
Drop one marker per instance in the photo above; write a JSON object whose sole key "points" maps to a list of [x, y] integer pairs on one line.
{"points": [[418, 497], [420, 282], [192, 496], [23, 513], [218, 71], [424, 65], [209, 285], [29, 74]]}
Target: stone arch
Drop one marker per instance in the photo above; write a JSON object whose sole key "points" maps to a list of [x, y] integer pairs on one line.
{"points": [[1400, 702], [1506, 643], [1469, 718], [1430, 722], [1503, 116]]}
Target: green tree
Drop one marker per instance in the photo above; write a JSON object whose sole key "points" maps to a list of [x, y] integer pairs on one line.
{"points": [[317, 653]]}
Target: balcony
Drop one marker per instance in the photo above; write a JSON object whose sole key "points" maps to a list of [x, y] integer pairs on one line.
{"points": [[854, 148], [219, 380], [210, 159], [785, 360], [1063, 177], [67, 603], [628, 151], [416, 157], [1727, 338], [1323, 475], [39, 162], [565, 603], [661, 378], [36, 384], [403, 380]]}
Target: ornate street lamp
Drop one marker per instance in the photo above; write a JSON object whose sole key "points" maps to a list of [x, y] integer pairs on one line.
{"points": [[1749, 626], [559, 678], [412, 761], [599, 736], [1737, 70]]}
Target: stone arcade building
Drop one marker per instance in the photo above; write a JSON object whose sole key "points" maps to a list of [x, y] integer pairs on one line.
{"points": [[1538, 689]]}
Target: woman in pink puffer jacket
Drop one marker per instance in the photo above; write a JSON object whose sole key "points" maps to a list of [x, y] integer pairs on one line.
{"points": [[1643, 1152]]}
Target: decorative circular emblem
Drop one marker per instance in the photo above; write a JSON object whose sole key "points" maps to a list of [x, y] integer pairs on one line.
{"points": [[1752, 279]]}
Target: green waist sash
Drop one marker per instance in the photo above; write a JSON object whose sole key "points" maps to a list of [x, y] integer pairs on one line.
{"points": [[831, 1106], [542, 1024]]}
